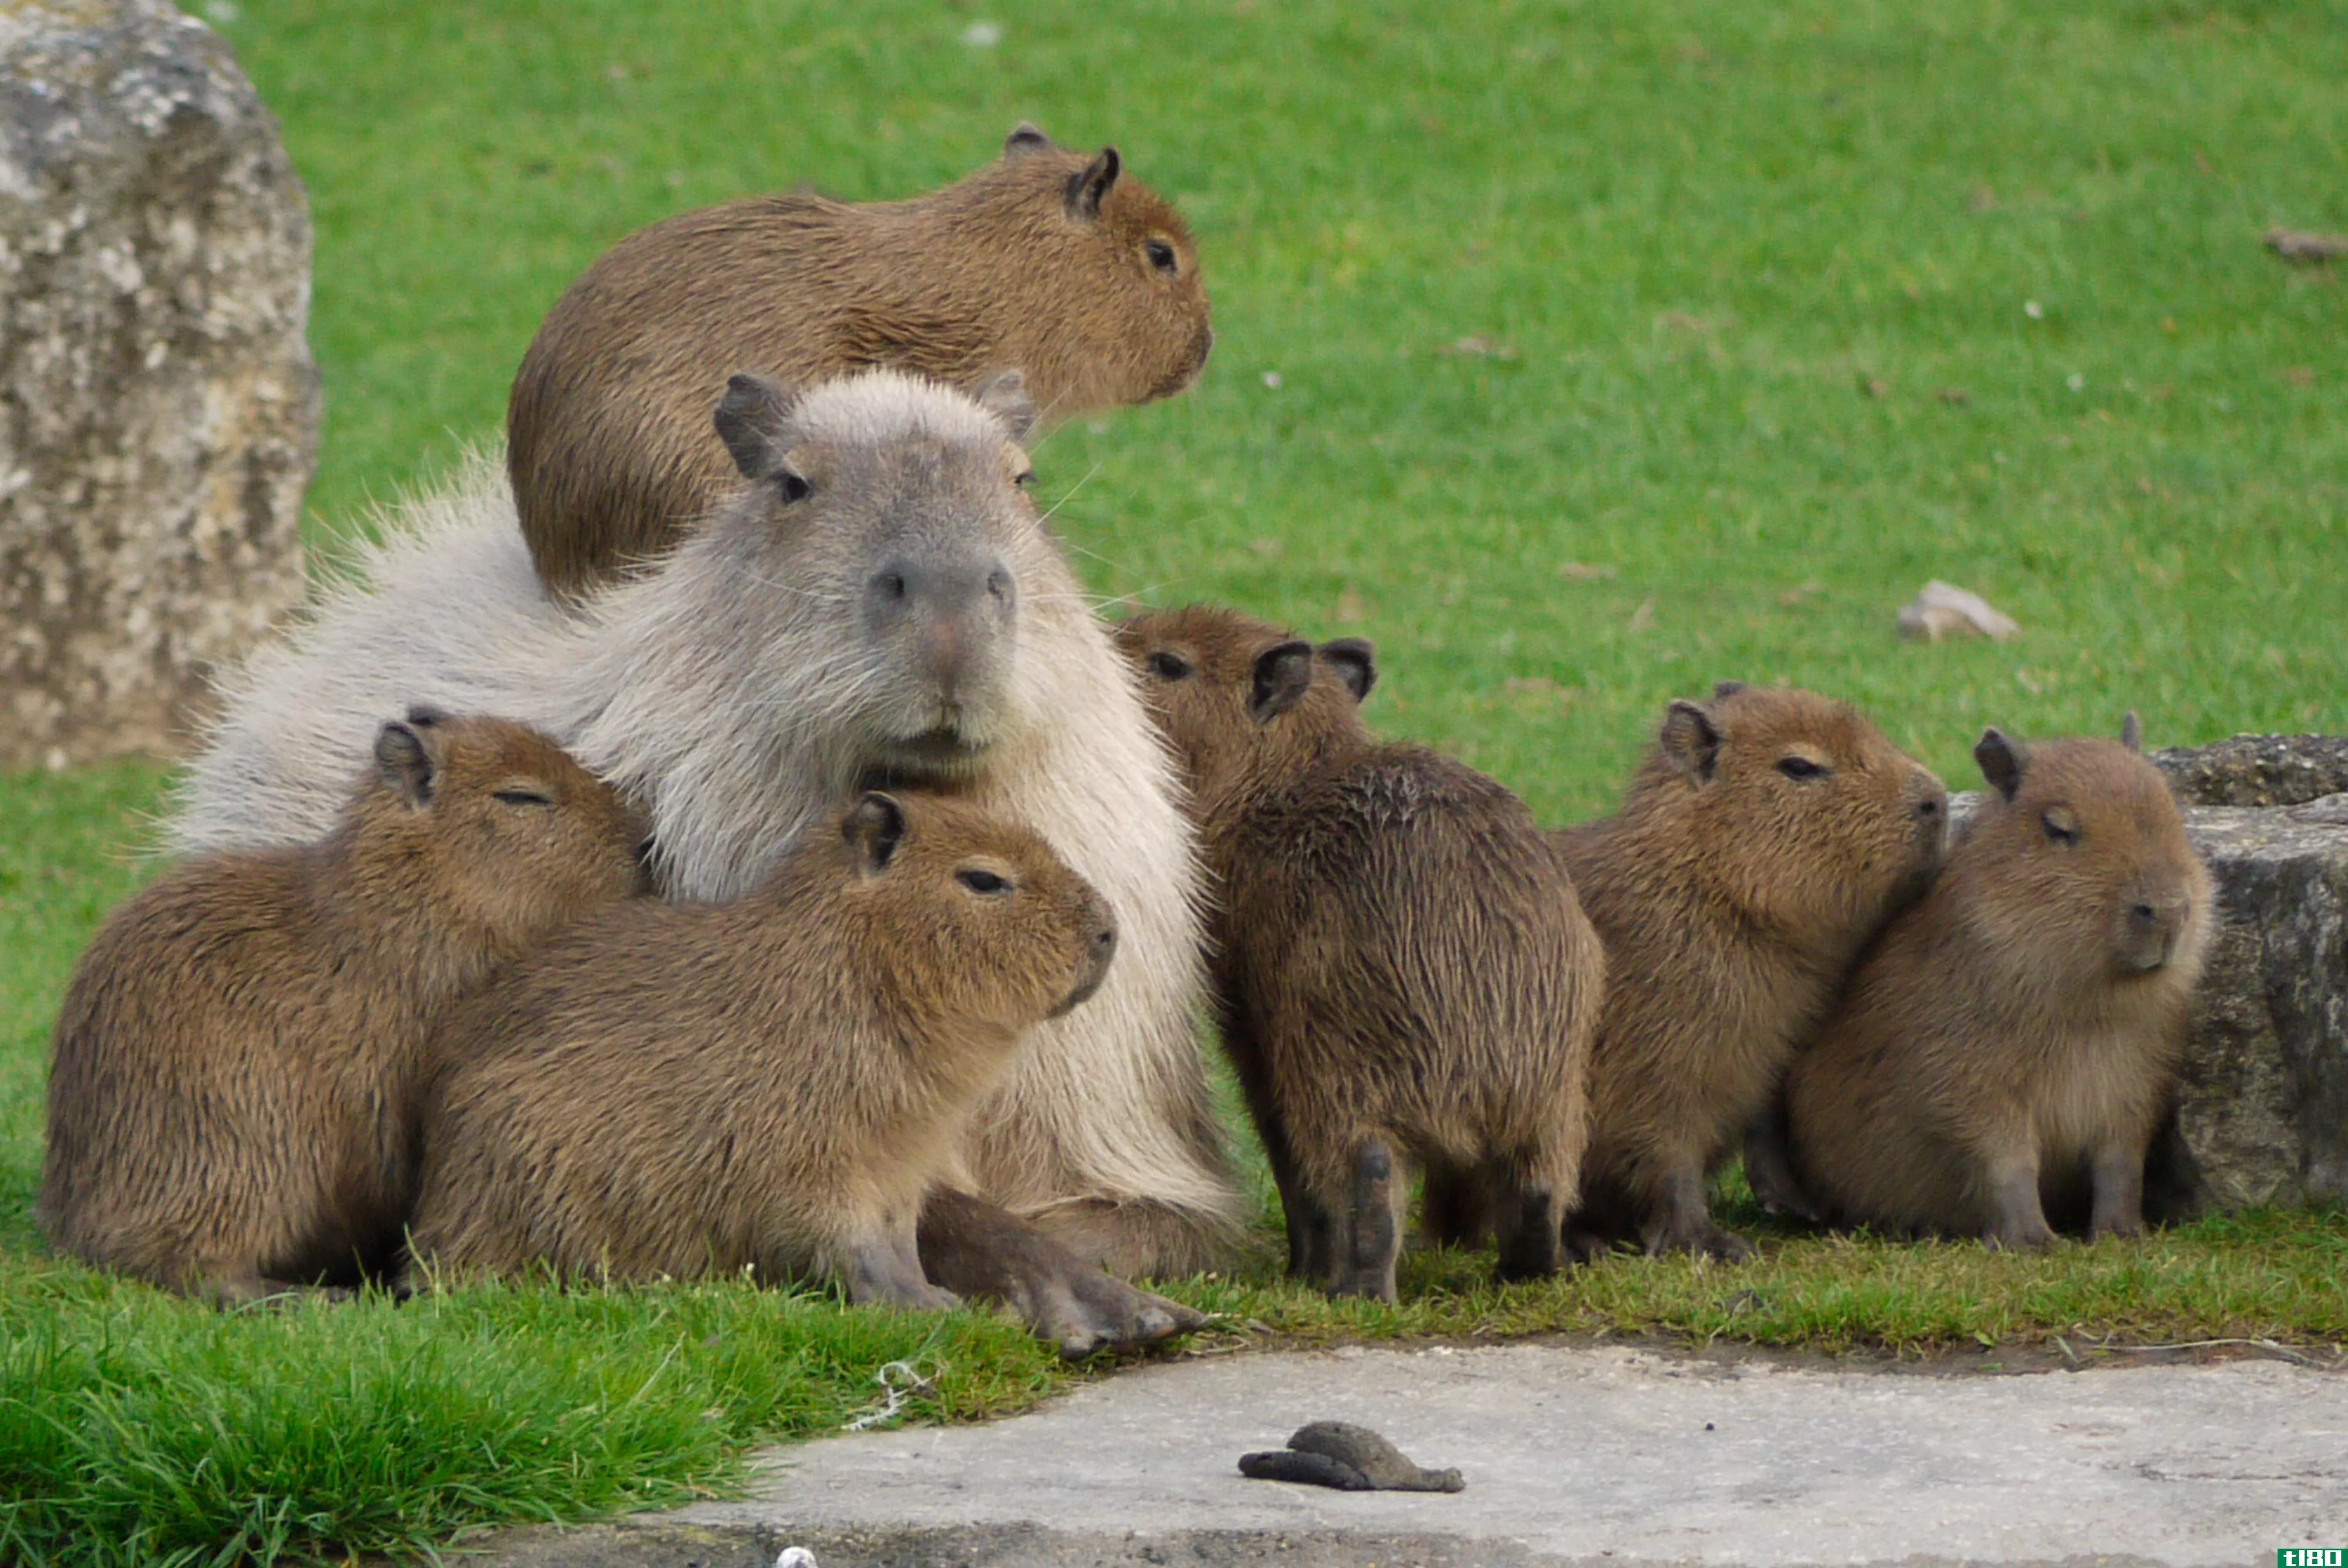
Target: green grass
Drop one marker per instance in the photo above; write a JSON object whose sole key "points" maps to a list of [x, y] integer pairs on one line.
{"points": [[1726, 260]]}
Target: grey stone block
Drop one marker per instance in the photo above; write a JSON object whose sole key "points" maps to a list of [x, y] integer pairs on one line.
{"points": [[2257, 770], [158, 409]]}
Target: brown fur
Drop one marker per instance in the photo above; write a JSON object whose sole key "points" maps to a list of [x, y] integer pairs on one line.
{"points": [[1044, 262], [1403, 971], [2021, 1029], [1732, 897], [769, 1085], [231, 1098]]}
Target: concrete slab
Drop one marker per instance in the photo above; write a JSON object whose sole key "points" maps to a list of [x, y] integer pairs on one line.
{"points": [[1613, 1456]]}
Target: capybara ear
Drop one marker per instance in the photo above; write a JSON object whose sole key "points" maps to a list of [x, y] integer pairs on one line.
{"points": [[1356, 661], [876, 828], [405, 762], [2002, 759], [1283, 675], [1725, 689], [2132, 733], [423, 716], [1004, 395], [1025, 138], [1088, 187], [752, 418], [1690, 741]]}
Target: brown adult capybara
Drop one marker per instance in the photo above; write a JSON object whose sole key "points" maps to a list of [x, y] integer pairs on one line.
{"points": [[1404, 972], [231, 1102], [770, 1085], [1045, 261], [1765, 840], [2013, 1040]]}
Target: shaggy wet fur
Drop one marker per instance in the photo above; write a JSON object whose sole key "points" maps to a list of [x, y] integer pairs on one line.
{"points": [[1403, 971]]}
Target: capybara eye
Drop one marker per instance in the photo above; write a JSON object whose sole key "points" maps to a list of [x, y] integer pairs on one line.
{"points": [[2060, 825], [523, 797], [986, 884], [1799, 768], [1024, 478], [1161, 256], [1169, 666], [794, 486]]}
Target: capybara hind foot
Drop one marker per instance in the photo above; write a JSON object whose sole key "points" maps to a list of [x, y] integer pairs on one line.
{"points": [[1086, 1310], [979, 1250], [2119, 1174], [1586, 1247]]}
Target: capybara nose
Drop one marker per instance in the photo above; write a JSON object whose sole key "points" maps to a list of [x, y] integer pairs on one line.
{"points": [[1099, 948], [1930, 817], [2151, 939]]}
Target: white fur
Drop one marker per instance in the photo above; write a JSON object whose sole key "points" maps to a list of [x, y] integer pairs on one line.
{"points": [[650, 684]]}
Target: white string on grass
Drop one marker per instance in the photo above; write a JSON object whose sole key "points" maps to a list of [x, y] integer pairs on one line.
{"points": [[898, 1379]]}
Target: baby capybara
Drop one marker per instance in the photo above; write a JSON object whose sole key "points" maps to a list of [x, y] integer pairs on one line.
{"points": [[1766, 838], [1404, 972], [1047, 261], [231, 1102], [769, 1085], [2012, 1042]]}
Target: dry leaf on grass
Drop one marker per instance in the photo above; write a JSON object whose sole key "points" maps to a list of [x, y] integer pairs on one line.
{"points": [[1943, 611]]}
